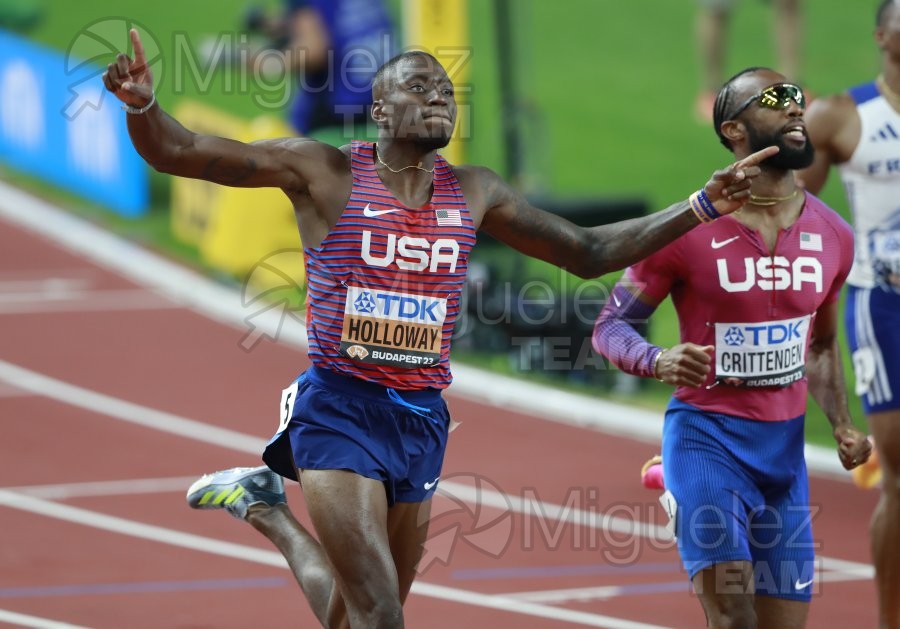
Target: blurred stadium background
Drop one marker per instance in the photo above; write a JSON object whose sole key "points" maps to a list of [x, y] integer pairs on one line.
{"points": [[586, 104]]}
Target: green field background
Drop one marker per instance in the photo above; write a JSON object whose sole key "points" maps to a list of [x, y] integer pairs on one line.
{"points": [[603, 103]]}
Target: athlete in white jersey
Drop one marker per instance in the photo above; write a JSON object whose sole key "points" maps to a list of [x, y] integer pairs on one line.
{"points": [[859, 132]]}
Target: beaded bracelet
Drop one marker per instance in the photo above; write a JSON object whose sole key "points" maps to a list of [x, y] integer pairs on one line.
{"points": [[140, 110], [702, 207]]}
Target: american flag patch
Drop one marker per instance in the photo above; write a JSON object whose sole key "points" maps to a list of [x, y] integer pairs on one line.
{"points": [[448, 217], [810, 242]]}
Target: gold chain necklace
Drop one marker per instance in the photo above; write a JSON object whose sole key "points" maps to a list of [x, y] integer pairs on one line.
{"points": [[400, 170], [887, 92], [755, 200]]}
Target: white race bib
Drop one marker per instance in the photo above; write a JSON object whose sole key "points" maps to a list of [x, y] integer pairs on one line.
{"points": [[383, 327], [765, 354], [288, 397]]}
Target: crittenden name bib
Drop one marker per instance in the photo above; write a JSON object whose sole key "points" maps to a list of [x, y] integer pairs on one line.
{"points": [[765, 354]]}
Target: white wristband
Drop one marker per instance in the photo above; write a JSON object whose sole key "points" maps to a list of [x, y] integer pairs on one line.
{"points": [[140, 110]]}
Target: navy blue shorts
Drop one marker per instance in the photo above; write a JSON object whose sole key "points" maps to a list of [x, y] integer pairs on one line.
{"points": [[342, 423], [872, 318], [742, 494]]}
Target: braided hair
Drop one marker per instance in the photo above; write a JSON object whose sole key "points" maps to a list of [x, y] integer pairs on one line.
{"points": [[725, 103]]}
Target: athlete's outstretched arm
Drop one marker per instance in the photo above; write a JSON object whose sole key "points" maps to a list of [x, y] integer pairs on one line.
{"points": [[167, 146], [828, 387], [591, 252]]}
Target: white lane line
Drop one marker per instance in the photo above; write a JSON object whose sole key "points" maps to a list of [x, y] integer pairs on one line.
{"points": [[67, 491], [225, 305], [538, 511], [271, 558], [8, 391], [127, 411], [43, 285], [581, 595], [81, 301], [23, 620]]}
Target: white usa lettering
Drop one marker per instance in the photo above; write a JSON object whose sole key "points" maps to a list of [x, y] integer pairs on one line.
{"points": [[775, 273], [412, 253]]}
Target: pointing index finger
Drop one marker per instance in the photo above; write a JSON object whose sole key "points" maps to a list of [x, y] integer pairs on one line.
{"points": [[139, 55], [757, 157]]}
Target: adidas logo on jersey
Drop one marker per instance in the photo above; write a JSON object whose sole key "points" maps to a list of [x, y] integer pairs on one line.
{"points": [[887, 132]]}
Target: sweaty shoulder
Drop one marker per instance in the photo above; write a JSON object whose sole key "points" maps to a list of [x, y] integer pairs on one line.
{"points": [[483, 189], [833, 125]]}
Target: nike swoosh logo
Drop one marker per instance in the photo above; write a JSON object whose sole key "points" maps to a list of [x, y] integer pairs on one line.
{"points": [[718, 245], [802, 586], [616, 299], [428, 486], [373, 213]]}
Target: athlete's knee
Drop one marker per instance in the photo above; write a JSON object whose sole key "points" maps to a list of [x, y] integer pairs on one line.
{"points": [[383, 614], [739, 616]]}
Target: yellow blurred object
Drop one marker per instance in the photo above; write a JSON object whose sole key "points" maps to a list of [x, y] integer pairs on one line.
{"points": [[867, 475], [653, 460], [193, 200], [440, 28], [238, 229]]}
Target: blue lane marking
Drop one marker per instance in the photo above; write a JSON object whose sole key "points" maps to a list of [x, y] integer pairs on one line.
{"points": [[141, 588], [564, 571]]}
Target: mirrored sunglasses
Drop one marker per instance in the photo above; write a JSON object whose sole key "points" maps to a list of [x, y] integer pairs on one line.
{"points": [[777, 96]]}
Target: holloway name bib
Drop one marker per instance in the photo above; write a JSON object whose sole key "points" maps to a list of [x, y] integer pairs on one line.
{"points": [[383, 327]]}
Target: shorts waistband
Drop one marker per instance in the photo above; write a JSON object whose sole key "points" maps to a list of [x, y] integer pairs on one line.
{"points": [[376, 392]]}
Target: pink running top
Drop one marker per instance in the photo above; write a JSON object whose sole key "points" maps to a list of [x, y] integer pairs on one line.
{"points": [[756, 308]]}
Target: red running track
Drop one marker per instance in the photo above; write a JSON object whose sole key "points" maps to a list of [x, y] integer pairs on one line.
{"points": [[103, 380]]}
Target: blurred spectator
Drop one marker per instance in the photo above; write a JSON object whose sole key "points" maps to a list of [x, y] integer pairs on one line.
{"points": [[334, 48], [21, 15], [712, 21]]}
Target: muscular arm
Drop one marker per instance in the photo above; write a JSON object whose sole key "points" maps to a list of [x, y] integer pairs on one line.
{"points": [[170, 148], [288, 164], [828, 388], [586, 252], [590, 252], [833, 127], [824, 369]]}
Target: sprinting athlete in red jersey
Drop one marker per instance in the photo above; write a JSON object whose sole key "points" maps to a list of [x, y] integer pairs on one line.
{"points": [[387, 229], [756, 296]]}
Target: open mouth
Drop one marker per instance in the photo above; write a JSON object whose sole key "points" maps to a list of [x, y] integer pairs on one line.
{"points": [[796, 132]]}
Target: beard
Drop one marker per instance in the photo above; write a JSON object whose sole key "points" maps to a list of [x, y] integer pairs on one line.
{"points": [[789, 157]]}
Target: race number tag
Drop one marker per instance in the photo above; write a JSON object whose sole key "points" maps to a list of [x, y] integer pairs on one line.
{"points": [[885, 248], [383, 327], [765, 354], [667, 500], [288, 397]]}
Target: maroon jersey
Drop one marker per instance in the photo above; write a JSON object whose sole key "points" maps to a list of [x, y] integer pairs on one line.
{"points": [[385, 284], [755, 306]]}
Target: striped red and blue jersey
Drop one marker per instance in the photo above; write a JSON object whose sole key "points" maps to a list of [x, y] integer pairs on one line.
{"points": [[385, 284]]}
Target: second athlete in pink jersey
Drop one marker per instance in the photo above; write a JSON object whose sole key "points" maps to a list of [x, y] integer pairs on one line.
{"points": [[755, 307], [756, 296]]}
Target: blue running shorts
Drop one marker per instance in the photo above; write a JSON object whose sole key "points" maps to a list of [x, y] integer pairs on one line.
{"points": [[742, 494], [872, 320], [336, 422]]}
